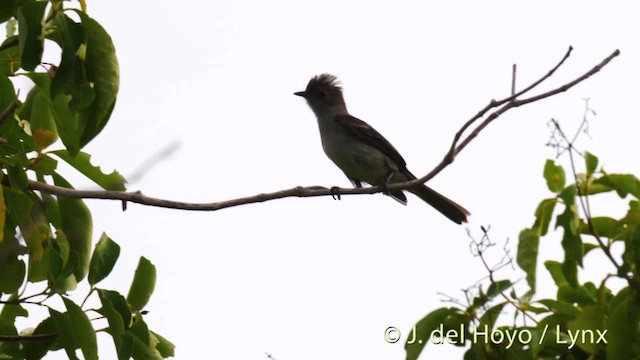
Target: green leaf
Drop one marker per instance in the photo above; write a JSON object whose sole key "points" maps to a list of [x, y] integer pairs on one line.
{"points": [[143, 284], [144, 341], [66, 332], [552, 344], [527, 257], [118, 314], [77, 225], [623, 184], [579, 295], [18, 205], [555, 269], [29, 18], [424, 328], [62, 248], [83, 330], [605, 227], [560, 307], [67, 121], [36, 232], [632, 252], [18, 142], [119, 304], [6, 10], [543, 215], [480, 300], [43, 125], [619, 298], [7, 93], [490, 316], [497, 287], [10, 57], [103, 259], [3, 219], [13, 272], [456, 324], [45, 165], [622, 330], [477, 351], [17, 177], [571, 241], [70, 77], [164, 346], [591, 162], [586, 247], [52, 209], [103, 72], [82, 163], [62, 262], [11, 267], [38, 349], [555, 176], [590, 321], [10, 312], [534, 309]]}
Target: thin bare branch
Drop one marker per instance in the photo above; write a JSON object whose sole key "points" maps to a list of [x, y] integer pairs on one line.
{"points": [[514, 72], [509, 105], [457, 145]]}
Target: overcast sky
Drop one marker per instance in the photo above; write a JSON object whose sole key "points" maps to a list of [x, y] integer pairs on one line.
{"points": [[317, 278]]}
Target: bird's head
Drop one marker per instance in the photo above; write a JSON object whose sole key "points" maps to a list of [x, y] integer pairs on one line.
{"points": [[324, 95]]}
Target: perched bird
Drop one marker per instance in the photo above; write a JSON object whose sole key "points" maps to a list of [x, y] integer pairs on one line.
{"points": [[362, 153]]}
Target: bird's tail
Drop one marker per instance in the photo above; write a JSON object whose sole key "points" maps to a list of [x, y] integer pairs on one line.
{"points": [[444, 205]]}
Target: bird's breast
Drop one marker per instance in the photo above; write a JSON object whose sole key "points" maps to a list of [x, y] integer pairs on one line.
{"points": [[357, 159]]}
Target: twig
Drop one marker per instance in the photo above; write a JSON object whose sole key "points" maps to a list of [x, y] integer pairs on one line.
{"points": [[139, 198], [312, 191], [478, 249], [585, 207], [4, 115], [510, 103], [28, 337], [513, 79], [493, 103]]}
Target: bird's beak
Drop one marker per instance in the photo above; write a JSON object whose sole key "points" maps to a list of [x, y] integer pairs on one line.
{"points": [[301, 93]]}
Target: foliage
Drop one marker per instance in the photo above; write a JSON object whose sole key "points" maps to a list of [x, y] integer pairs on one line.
{"points": [[46, 242], [585, 320]]}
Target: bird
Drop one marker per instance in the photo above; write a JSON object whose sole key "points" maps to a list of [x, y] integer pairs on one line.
{"points": [[361, 152]]}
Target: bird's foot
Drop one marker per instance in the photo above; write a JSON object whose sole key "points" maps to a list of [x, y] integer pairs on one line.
{"points": [[383, 188], [335, 193]]}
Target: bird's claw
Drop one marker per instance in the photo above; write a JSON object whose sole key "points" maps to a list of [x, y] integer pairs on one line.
{"points": [[335, 193], [383, 188]]}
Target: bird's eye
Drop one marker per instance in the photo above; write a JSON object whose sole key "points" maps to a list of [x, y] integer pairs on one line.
{"points": [[323, 94]]}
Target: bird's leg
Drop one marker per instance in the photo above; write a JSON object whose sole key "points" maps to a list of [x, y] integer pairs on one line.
{"points": [[335, 193], [383, 187], [356, 183]]}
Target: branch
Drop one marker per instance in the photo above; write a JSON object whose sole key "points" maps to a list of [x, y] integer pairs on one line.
{"points": [[4, 115], [27, 337], [510, 103], [139, 198], [311, 191]]}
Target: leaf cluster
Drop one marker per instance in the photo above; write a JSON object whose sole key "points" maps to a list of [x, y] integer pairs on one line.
{"points": [[46, 240], [584, 320]]}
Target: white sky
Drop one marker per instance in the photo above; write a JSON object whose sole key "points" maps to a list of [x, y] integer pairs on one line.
{"points": [[317, 278]]}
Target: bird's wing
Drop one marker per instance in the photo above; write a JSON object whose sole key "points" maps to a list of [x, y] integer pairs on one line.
{"points": [[369, 135]]}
